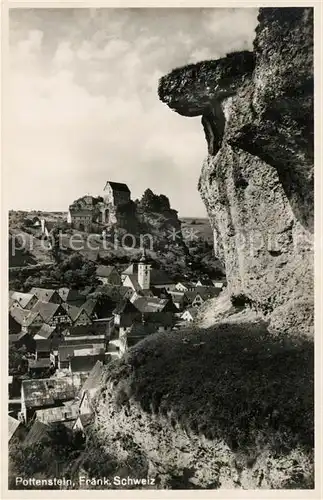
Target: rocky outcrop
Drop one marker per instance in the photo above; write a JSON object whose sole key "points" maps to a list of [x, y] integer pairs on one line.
{"points": [[257, 180]]}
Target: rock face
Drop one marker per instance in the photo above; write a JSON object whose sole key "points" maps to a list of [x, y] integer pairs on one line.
{"points": [[257, 180]]}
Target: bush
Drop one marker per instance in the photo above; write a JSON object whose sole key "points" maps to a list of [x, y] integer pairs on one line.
{"points": [[241, 385]]}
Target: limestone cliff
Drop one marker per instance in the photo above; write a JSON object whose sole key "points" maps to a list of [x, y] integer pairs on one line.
{"points": [[257, 180]]}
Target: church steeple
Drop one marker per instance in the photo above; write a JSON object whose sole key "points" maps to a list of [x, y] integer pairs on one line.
{"points": [[143, 257], [144, 271]]}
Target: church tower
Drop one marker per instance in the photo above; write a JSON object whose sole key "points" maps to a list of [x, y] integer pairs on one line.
{"points": [[144, 272]]}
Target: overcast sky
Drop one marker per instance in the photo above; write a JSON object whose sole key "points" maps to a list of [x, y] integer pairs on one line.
{"points": [[84, 107]]}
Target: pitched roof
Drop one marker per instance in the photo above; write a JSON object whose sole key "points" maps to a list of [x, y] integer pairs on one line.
{"points": [[46, 309], [38, 432], [191, 294], [45, 392], [86, 419], [118, 186], [57, 414], [74, 311], [89, 306], [63, 293], [85, 363], [105, 271], [43, 294], [193, 311], [44, 332], [23, 299], [205, 282], [23, 316], [125, 307], [159, 277], [68, 352], [134, 281], [13, 425], [94, 378], [150, 304], [187, 284], [208, 292], [132, 269]]}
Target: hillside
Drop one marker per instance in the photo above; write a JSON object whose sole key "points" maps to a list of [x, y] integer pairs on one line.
{"points": [[242, 417], [149, 222]]}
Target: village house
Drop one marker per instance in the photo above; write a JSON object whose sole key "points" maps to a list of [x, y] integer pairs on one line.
{"points": [[22, 300], [99, 326], [58, 414], [29, 321], [52, 313], [71, 297], [200, 295], [136, 333], [99, 307], [185, 286], [125, 314], [14, 430], [38, 433], [160, 279], [115, 293], [38, 394], [140, 276], [108, 275], [92, 384], [190, 314], [141, 293], [221, 283], [204, 282], [46, 295], [77, 315], [179, 299], [81, 357], [52, 334], [39, 367]]}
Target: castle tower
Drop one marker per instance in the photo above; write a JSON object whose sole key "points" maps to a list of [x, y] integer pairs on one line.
{"points": [[144, 272]]}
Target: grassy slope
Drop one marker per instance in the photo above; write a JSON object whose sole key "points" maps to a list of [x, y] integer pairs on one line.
{"points": [[201, 227], [241, 385]]}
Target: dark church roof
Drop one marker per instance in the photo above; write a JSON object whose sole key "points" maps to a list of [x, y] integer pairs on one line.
{"points": [[119, 186]]}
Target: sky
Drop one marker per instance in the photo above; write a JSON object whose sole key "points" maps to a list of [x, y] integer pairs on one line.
{"points": [[84, 107]]}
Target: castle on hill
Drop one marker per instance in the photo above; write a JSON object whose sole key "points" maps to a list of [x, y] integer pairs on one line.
{"points": [[102, 210]]}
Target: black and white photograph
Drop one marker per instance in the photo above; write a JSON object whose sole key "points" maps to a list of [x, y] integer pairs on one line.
{"points": [[159, 185]]}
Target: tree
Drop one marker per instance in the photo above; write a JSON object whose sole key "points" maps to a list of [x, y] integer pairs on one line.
{"points": [[18, 363]]}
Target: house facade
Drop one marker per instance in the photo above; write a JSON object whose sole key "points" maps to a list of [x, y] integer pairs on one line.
{"points": [[116, 193], [108, 275]]}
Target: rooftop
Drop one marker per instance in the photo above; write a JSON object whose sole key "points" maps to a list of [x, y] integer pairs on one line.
{"points": [[44, 332], [13, 425], [46, 309], [94, 378], [118, 186], [57, 414], [43, 294], [47, 392], [105, 271], [22, 298]]}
